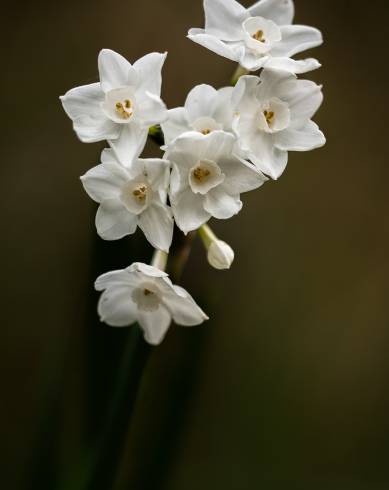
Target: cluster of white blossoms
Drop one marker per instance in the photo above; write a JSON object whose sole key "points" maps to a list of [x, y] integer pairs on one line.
{"points": [[221, 144]]}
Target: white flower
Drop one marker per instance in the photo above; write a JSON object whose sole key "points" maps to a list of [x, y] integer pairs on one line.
{"points": [[274, 117], [259, 36], [220, 255], [206, 109], [207, 178], [131, 196], [144, 294], [128, 96]]}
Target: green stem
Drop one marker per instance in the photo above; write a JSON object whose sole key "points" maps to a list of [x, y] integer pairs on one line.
{"points": [[156, 134], [239, 72]]}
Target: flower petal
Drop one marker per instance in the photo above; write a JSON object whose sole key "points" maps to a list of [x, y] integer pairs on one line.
{"points": [[113, 221], [130, 144], [123, 277], [279, 11], [157, 224], [241, 176], [182, 306], [114, 70], [149, 72], [304, 98], [293, 66], [214, 44], [188, 211], [116, 307], [152, 110], [296, 39], [262, 152], [309, 137], [221, 205], [224, 18], [201, 102], [154, 324], [82, 105], [147, 270], [104, 181], [175, 125]]}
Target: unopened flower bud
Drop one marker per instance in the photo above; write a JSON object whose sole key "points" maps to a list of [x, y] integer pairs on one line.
{"points": [[220, 255]]}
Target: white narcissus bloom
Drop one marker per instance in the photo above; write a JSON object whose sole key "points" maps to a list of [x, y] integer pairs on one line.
{"points": [[206, 109], [127, 96], [207, 178], [144, 294], [274, 116], [131, 196], [257, 37]]}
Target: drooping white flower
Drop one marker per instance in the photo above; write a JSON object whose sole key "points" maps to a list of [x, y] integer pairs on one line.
{"points": [[206, 109], [274, 116], [127, 96], [144, 294], [257, 37], [207, 178], [131, 194]]}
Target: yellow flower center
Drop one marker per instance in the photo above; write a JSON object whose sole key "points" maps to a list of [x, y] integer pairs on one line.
{"points": [[200, 174], [258, 36], [140, 193], [269, 116], [124, 109]]}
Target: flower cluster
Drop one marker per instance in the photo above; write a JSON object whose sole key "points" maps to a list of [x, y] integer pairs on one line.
{"points": [[219, 145]]}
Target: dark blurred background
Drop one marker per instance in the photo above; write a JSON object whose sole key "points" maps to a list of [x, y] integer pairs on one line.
{"points": [[287, 385]]}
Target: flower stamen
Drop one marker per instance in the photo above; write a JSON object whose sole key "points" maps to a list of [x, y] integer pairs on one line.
{"points": [[269, 116], [124, 110], [206, 131], [200, 174], [258, 36], [140, 193]]}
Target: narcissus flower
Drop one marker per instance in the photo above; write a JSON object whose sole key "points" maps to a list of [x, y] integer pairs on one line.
{"points": [[128, 96], [257, 37], [206, 109], [207, 178], [274, 116], [131, 196], [144, 294]]}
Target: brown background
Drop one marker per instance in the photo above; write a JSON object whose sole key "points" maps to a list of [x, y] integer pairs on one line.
{"points": [[287, 384]]}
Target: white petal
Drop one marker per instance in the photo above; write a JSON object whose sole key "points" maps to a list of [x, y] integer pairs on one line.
{"points": [[224, 110], [223, 19], [273, 82], [244, 96], [241, 176], [149, 72], [279, 11], [217, 145], [152, 110], [82, 105], [116, 307], [158, 175], [182, 307], [304, 99], [124, 277], [214, 44], [265, 156], [157, 224], [222, 205], [104, 181], [114, 70], [188, 211], [307, 138], [154, 324], [113, 221], [147, 270], [293, 66], [175, 125], [201, 102], [296, 39], [251, 61], [130, 144]]}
